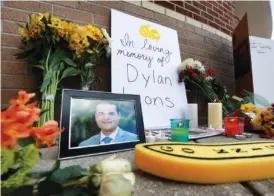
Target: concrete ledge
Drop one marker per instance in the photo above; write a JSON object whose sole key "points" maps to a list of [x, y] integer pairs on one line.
{"points": [[175, 15], [193, 22]]}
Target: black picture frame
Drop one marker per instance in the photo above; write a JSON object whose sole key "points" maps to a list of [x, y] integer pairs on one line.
{"points": [[65, 150]]}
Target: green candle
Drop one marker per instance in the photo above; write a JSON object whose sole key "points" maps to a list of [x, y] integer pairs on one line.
{"points": [[179, 134]]}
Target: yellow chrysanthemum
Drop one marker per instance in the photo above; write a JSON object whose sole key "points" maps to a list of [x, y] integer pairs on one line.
{"points": [[36, 25], [94, 33], [247, 107], [256, 110], [35, 19], [23, 33], [66, 28], [256, 122], [78, 41]]}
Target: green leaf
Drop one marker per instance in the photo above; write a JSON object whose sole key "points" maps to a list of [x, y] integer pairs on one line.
{"points": [[46, 80], [66, 174], [40, 67], [70, 72], [44, 20], [26, 141], [23, 190], [48, 187], [70, 62], [57, 57]]}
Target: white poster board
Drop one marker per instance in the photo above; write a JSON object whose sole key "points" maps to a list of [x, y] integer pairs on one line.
{"points": [[262, 60], [144, 61]]}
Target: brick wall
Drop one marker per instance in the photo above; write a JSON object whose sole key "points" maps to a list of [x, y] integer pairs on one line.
{"points": [[200, 42], [218, 14]]}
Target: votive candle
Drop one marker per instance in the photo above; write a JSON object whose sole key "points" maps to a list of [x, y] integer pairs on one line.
{"points": [[215, 115]]}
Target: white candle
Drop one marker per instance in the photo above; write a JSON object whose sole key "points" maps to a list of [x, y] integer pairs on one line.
{"points": [[215, 115], [192, 115]]}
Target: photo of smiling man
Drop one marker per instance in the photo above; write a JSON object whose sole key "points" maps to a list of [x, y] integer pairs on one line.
{"points": [[107, 117]]}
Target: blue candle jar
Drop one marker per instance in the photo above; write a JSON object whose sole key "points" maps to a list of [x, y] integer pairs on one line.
{"points": [[179, 130], [179, 123]]}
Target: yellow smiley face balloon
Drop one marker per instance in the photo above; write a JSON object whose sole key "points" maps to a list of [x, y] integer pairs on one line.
{"points": [[147, 32]]}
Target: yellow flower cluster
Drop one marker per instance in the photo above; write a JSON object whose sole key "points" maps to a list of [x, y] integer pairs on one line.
{"points": [[264, 119], [250, 108], [34, 28], [79, 38]]}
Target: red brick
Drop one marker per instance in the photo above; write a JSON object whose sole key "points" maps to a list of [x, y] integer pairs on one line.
{"points": [[200, 18], [165, 4], [230, 28], [93, 8], [101, 20], [119, 5], [179, 3], [140, 11], [219, 22], [188, 2], [225, 31], [9, 54], [219, 11], [31, 6], [63, 3], [16, 81], [213, 24], [206, 15], [10, 27], [184, 11], [212, 12], [207, 4], [15, 15], [228, 17], [6, 95], [72, 14], [199, 5], [227, 7], [214, 3], [165, 20], [11, 40], [13, 67], [224, 19], [191, 8]]}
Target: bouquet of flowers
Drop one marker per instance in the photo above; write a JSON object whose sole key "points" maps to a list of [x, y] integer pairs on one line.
{"points": [[53, 46], [89, 59], [260, 119], [193, 72], [18, 135]]}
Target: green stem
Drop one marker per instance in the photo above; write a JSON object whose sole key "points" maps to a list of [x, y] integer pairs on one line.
{"points": [[47, 60], [211, 95]]}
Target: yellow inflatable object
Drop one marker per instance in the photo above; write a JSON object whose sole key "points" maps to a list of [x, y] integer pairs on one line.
{"points": [[207, 163]]}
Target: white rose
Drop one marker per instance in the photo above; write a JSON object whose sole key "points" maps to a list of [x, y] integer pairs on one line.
{"points": [[186, 63], [198, 65]]}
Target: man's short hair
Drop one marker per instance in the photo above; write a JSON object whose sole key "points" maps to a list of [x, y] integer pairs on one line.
{"points": [[109, 103]]}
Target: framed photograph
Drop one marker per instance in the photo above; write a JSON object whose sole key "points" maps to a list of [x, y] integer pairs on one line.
{"points": [[99, 122]]}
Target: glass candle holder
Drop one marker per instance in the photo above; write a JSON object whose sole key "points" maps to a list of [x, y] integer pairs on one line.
{"points": [[233, 126], [179, 134], [179, 123], [179, 130]]}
